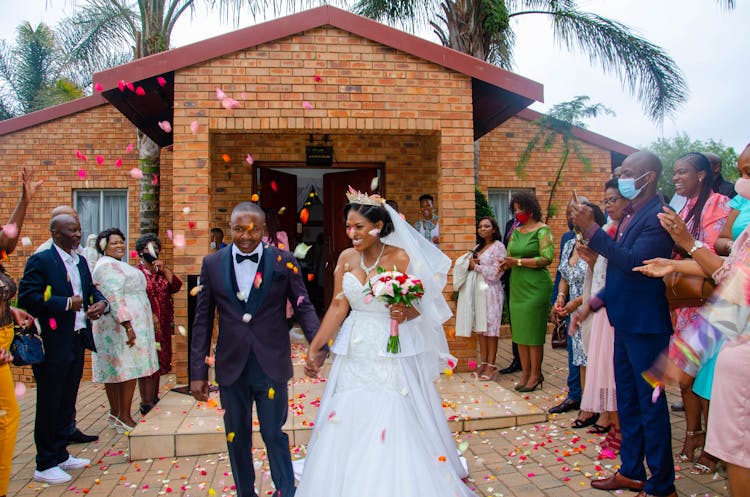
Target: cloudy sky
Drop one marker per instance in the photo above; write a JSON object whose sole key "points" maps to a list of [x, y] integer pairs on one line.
{"points": [[708, 43]]}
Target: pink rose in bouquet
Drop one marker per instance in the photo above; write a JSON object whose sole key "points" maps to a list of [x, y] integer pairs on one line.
{"points": [[394, 287]]}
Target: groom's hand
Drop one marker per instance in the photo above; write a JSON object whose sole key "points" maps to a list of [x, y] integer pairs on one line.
{"points": [[314, 362], [199, 389]]}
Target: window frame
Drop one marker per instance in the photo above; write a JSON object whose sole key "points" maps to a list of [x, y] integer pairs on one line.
{"points": [[101, 192]]}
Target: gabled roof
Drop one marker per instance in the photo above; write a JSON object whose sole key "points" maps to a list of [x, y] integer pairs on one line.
{"points": [[497, 93]]}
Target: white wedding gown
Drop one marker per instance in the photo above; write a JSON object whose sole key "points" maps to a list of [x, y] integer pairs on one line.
{"points": [[381, 431]]}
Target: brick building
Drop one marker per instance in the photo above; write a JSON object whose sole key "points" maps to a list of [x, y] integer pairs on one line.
{"points": [[371, 100]]}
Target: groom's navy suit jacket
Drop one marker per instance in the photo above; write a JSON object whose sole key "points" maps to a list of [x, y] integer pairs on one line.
{"points": [[267, 332]]}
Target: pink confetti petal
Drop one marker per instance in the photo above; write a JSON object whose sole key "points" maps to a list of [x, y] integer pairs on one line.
{"points": [[169, 234], [179, 241], [80, 155], [194, 127], [472, 364], [250, 159], [11, 230], [161, 81], [98, 87], [121, 85], [52, 323], [154, 180], [118, 163], [300, 299], [165, 126], [258, 280], [133, 254], [136, 173], [307, 105], [317, 78], [100, 159], [192, 225], [20, 390], [607, 454], [274, 186], [82, 174], [655, 394], [230, 103], [243, 95], [130, 86], [220, 95], [140, 91], [129, 148]]}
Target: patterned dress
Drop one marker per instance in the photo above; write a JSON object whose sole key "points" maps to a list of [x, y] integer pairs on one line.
{"points": [[125, 288], [575, 276], [488, 262], [160, 291]]}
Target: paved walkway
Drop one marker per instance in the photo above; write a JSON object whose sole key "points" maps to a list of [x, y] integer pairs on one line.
{"points": [[546, 459]]}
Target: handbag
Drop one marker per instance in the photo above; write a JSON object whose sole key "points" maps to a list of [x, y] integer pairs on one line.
{"points": [[560, 335], [27, 347], [86, 339], [685, 290]]}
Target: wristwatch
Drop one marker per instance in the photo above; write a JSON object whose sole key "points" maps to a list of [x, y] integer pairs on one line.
{"points": [[698, 245], [518, 262]]}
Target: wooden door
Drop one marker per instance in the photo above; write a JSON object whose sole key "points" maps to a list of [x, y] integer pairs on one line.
{"points": [[279, 190], [335, 186]]}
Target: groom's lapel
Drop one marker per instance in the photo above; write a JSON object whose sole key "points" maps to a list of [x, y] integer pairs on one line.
{"points": [[230, 279], [266, 271]]}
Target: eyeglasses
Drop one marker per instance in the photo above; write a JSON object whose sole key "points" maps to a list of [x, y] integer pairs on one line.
{"points": [[610, 201]]}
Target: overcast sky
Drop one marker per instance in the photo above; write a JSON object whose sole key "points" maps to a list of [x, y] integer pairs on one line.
{"points": [[707, 42]]}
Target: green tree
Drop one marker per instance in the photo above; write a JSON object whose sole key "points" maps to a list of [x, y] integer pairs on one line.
{"points": [[559, 123], [671, 149], [100, 28], [482, 205], [482, 28], [31, 75]]}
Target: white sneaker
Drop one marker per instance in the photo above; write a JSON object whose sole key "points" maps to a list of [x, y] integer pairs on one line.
{"points": [[75, 463], [53, 476]]}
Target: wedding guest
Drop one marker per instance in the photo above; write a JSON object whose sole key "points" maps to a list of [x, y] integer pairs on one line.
{"points": [[161, 284], [274, 235], [739, 213], [530, 251], [8, 315], [125, 347], [428, 226], [485, 296], [718, 183], [705, 213], [217, 239]]}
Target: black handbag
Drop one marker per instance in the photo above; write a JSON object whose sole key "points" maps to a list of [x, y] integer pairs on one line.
{"points": [[560, 335], [86, 339], [27, 347]]}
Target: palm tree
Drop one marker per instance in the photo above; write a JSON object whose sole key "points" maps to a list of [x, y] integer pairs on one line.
{"points": [[31, 76], [102, 27], [560, 122], [482, 28]]}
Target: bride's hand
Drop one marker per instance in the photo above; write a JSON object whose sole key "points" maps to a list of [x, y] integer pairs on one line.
{"points": [[313, 363], [398, 312]]}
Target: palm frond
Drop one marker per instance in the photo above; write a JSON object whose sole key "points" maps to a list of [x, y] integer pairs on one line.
{"points": [[643, 68], [410, 14]]}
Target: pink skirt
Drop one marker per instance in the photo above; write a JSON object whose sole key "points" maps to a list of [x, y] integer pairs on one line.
{"points": [[599, 395], [728, 435]]}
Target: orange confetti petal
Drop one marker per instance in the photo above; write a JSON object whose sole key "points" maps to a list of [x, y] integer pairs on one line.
{"points": [[304, 215], [255, 197], [226, 157]]}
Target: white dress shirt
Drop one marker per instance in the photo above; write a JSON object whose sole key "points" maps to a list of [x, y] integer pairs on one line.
{"points": [[74, 276], [246, 271]]}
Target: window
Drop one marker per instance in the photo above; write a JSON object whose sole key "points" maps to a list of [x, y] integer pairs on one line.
{"points": [[101, 209], [499, 200]]}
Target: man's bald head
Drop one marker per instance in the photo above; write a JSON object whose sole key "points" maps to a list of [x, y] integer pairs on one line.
{"points": [[715, 161], [248, 208], [642, 162], [61, 219], [64, 209], [66, 232]]}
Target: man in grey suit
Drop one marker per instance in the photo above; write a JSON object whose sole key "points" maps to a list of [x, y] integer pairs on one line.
{"points": [[249, 284]]}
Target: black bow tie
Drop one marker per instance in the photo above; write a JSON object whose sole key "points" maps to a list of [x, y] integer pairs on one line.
{"points": [[240, 258]]}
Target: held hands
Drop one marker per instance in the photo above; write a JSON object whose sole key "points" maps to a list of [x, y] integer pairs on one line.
{"points": [[656, 268], [314, 362], [94, 311], [199, 389], [676, 228]]}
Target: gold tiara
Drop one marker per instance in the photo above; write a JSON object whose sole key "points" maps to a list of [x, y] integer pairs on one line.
{"points": [[357, 197]]}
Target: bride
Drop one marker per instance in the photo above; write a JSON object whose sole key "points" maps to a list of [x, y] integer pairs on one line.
{"points": [[381, 430]]}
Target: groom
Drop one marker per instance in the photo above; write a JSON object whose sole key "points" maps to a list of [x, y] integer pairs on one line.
{"points": [[249, 283]]}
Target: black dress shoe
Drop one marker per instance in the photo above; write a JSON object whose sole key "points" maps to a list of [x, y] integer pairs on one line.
{"points": [[565, 406], [78, 437], [512, 368]]}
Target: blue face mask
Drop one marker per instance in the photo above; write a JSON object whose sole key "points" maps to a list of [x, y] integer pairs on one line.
{"points": [[627, 187]]}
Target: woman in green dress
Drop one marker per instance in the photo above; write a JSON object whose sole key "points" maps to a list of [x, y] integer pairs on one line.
{"points": [[530, 251]]}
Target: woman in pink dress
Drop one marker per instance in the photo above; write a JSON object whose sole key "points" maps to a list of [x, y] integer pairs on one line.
{"points": [[704, 213]]}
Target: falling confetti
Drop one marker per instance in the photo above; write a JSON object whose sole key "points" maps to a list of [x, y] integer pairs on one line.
{"points": [[52, 323], [133, 254], [100, 159], [304, 215], [154, 180], [226, 158], [249, 159], [194, 127], [210, 361], [82, 174], [382, 435], [129, 148], [448, 372], [282, 211], [307, 105], [186, 210], [241, 295], [20, 390], [165, 126], [255, 197], [230, 103], [274, 186], [80, 155], [374, 184], [196, 290], [230, 437], [258, 280], [47, 293], [136, 173], [98, 87], [192, 225], [26, 241], [161, 81], [442, 459], [374, 232], [169, 234], [182, 330], [655, 394], [271, 393], [220, 94], [130, 86], [317, 78], [140, 91], [11, 230], [300, 299], [118, 163], [179, 241], [246, 317], [121, 85]]}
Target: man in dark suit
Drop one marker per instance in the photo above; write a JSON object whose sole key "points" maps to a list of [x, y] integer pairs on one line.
{"points": [[57, 288], [639, 312], [249, 283]]}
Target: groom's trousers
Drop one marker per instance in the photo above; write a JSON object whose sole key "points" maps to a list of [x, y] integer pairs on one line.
{"points": [[253, 385]]}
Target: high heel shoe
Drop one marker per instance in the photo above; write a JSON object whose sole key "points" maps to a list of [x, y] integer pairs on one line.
{"points": [[487, 375], [693, 441], [705, 464], [121, 427], [525, 389]]}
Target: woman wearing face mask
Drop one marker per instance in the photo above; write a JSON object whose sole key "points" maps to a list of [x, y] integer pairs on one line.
{"points": [[739, 215], [704, 213], [161, 283], [530, 250], [124, 337]]}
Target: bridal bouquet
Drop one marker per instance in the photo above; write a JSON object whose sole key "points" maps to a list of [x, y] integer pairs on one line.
{"points": [[394, 287]]}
